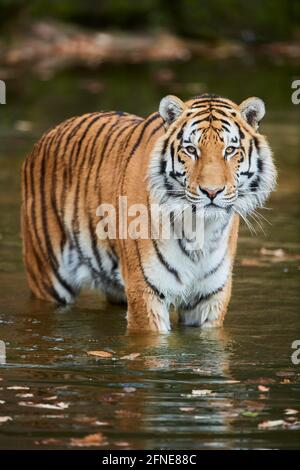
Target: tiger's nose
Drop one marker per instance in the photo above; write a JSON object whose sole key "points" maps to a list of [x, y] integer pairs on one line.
{"points": [[211, 192]]}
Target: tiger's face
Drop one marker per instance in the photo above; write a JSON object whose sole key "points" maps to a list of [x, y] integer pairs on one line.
{"points": [[212, 155]]}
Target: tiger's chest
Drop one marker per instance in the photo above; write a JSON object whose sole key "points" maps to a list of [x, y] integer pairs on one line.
{"points": [[181, 272]]}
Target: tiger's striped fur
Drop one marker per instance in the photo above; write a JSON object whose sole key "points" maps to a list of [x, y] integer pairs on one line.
{"points": [[95, 158]]}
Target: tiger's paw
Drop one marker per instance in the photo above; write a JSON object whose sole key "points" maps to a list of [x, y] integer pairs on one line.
{"points": [[208, 315]]}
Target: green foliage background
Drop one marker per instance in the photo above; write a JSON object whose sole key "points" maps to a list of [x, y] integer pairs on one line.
{"points": [[248, 20]]}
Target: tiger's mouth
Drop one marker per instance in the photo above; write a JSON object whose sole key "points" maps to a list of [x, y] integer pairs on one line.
{"points": [[202, 203]]}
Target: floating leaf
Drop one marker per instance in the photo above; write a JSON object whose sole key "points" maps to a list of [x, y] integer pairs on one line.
{"points": [[129, 389], [250, 414], [131, 357], [58, 406], [201, 393], [278, 253], [24, 395], [17, 387], [290, 412], [262, 388], [91, 440], [271, 424], [122, 444], [4, 419], [103, 354]]}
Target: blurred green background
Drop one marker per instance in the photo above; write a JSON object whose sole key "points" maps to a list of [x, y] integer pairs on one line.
{"points": [[251, 21]]}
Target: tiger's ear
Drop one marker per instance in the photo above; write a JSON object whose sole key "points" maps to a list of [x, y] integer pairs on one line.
{"points": [[170, 108], [253, 110]]}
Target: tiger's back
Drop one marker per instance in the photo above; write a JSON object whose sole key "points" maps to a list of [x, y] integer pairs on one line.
{"points": [[72, 170]]}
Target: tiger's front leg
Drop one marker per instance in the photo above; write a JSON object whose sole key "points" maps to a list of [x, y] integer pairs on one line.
{"points": [[209, 312], [146, 310]]}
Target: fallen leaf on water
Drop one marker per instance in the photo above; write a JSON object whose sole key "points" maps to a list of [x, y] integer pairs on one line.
{"points": [[271, 424], [202, 371], [24, 395], [4, 419], [285, 381], [262, 388], [278, 253], [17, 387], [253, 262], [89, 420], [97, 439], [58, 406], [122, 444], [290, 411], [131, 356], [186, 409], [250, 414], [291, 419], [129, 389], [103, 354], [201, 393]]}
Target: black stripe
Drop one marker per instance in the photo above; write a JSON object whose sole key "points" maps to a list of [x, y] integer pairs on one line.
{"points": [[93, 155], [146, 124], [184, 250], [254, 184], [202, 298], [249, 173], [215, 268], [152, 287], [52, 258], [95, 119], [164, 262]]}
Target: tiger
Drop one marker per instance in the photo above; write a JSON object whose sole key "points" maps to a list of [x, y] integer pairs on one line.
{"points": [[205, 153]]}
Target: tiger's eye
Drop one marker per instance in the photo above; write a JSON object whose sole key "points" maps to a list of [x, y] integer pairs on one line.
{"points": [[229, 150], [190, 149]]}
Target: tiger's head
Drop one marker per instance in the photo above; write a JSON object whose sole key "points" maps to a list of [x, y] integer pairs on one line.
{"points": [[212, 155]]}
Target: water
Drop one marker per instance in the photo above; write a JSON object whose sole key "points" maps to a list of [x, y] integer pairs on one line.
{"points": [[148, 402]]}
